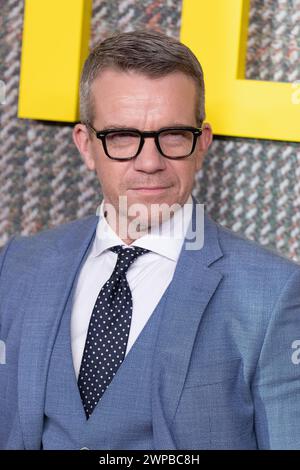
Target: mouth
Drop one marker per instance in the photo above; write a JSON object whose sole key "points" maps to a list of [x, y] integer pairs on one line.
{"points": [[150, 189]]}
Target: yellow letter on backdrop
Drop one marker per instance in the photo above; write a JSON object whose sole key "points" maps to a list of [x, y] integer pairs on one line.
{"points": [[216, 31], [55, 44]]}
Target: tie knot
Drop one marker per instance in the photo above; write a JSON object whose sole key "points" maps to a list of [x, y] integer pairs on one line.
{"points": [[126, 256]]}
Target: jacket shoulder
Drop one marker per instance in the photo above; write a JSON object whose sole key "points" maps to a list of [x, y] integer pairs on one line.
{"points": [[250, 254], [21, 250], [50, 236]]}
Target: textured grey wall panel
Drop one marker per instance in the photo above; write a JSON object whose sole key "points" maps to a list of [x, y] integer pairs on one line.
{"points": [[250, 186]]}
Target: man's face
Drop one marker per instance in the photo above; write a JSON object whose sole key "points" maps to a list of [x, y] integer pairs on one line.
{"points": [[129, 99]]}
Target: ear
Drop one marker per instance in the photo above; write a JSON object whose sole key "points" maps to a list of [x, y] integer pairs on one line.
{"points": [[203, 143], [83, 142], [206, 137]]}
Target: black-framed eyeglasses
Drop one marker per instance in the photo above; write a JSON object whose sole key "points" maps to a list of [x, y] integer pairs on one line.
{"points": [[171, 142]]}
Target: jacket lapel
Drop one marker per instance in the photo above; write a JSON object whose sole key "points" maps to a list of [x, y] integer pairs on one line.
{"points": [[193, 285], [53, 278]]}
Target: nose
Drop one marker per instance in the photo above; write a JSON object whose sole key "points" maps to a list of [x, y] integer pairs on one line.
{"points": [[149, 160]]}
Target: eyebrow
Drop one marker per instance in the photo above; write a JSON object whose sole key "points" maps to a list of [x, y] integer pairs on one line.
{"points": [[171, 125]]}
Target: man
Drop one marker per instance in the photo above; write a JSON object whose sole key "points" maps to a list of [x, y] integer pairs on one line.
{"points": [[119, 333]]}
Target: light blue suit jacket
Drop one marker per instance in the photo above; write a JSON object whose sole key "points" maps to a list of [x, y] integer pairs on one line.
{"points": [[226, 372]]}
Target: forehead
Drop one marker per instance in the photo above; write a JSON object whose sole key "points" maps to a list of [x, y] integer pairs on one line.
{"points": [[131, 95]]}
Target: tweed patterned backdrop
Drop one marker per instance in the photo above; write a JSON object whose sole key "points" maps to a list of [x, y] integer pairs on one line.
{"points": [[251, 186]]}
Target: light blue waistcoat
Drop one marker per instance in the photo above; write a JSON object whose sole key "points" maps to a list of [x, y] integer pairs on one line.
{"points": [[122, 418]]}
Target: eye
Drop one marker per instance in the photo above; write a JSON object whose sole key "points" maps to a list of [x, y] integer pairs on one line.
{"points": [[122, 138], [176, 135]]}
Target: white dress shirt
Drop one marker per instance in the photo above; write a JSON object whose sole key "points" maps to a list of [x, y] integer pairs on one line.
{"points": [[148, 277]]}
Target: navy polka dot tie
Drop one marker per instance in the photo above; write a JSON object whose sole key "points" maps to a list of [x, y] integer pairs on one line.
{"points": [[108, 331]]}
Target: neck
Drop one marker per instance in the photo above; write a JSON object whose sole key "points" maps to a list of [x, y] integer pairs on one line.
{"points": [[127, 228], [130, 228]]}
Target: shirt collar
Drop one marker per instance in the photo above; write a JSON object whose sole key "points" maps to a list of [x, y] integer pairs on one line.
{"points": [[165, 239]]}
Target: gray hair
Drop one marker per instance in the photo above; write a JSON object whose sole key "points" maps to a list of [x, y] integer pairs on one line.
{"points": [[150, 53]]}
